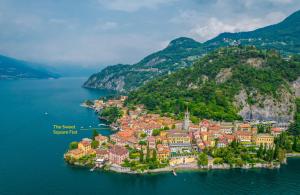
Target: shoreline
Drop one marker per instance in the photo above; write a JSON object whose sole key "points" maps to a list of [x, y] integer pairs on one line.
{"points": [[190, 168], [194, 168], [180, 168]]}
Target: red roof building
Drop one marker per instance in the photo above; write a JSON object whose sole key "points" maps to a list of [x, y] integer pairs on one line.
{"points": [[117, 154]]}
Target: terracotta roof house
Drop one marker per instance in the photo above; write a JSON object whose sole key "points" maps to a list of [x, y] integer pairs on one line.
{"points": [[117, 154]]}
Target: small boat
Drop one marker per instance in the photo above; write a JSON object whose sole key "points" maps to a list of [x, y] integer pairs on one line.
{"points": [[46, 113], [174, 173], [90, 126]]}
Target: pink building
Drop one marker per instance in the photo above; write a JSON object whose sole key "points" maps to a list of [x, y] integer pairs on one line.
{"points": [[117, 154]]}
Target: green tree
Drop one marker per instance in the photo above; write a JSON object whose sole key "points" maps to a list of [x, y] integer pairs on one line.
{"points": [[143, 135], [89, 102], [141, 156], [281, 155], [276, 152], [142, 143], [155, 132], [95, 144], [260, 151], [148, 154], [154, 156], [202, 159], [95, 134], [73, 145]]}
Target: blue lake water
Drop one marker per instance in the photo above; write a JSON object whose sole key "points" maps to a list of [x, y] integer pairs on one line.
{"points": [[31, 160]]}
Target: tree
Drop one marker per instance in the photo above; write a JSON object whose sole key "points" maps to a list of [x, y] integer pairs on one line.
{"points": [[95, 134], [155, 132], [281, 155], [276, 152], [89, 102], [260, 151], [143, 135], [269, 155], [148, 154], [154, 156], [202, 159], [73, 145], [295, 143], [218, 161], [143, 143], [141, 156], [95, 144]]}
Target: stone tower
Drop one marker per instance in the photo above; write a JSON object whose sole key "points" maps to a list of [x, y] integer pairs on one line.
{"points": [[186, 122]]}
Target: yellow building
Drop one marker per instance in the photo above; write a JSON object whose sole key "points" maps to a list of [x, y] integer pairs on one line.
{"points": [[179, 137], [265, 139], [163, 152], [76, 153], [85, 146], [182, 160]]}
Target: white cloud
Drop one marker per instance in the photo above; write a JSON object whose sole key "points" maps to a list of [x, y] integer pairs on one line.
{"points": [[203, 28], [281, 1], [132, 5], [105, 26]]}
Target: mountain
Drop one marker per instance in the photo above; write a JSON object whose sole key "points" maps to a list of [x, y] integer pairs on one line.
{"points": [[284, 37], [181, 52], [11, 68], [227, 84]]}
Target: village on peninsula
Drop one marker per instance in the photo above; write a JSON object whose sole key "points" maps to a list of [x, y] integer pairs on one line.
{"points": [[144, 142]]}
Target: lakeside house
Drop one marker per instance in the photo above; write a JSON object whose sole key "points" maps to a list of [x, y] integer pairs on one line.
{"points": [[102, 154], [264, 139], [163, 152], [117, 154], [76, 154]]}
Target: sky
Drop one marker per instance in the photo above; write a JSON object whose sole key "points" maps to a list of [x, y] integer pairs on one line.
{"points": [[94, 33]]}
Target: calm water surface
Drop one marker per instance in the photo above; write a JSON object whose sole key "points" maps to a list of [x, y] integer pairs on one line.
{"points": [[32, 162]]}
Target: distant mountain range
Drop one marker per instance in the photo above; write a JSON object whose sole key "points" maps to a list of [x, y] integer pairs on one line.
{"points": [[11, 68], [182, 52]]}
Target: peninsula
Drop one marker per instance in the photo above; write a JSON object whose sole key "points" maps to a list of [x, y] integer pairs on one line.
{"points": [[146, 142]]}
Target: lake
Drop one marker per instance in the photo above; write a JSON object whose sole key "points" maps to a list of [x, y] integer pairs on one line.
{"points": [[32, 156]]}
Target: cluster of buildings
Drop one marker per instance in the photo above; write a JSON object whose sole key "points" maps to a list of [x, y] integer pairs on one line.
{"points": [[105, 151], [177, 142]]}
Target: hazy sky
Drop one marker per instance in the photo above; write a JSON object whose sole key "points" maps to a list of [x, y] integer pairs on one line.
{"points": [[101, 32]]}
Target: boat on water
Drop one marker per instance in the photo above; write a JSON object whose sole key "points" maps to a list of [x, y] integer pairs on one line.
{"points": [[46, 113], [174, 173]]}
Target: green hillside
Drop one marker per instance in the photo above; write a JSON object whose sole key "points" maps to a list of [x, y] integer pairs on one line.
{"points": [[181, 52], [209, 87]]}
